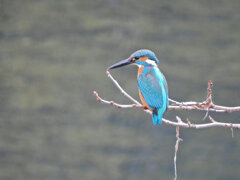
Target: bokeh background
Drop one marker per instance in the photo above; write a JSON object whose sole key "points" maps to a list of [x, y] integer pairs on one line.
{"points": [[54, 54]]}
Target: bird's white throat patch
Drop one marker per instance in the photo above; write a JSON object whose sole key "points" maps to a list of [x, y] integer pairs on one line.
{"points": [[149, 61]]}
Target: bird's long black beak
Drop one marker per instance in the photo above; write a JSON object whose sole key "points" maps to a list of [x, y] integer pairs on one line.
{"points": [[120, 64]]}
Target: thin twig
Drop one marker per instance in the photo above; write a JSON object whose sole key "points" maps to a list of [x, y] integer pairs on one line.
{"points": [[176, 150], [116, 104], [206, 105], [121, 89], [232, 132]]}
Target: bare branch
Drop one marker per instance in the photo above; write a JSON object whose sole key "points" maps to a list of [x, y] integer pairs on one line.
{"points": [[201, 126], [176, 150], [232, 132], [121, 89], [99, 99], [211, 119], [206, 114], [179, 119], [206, 105], [121, 106]]}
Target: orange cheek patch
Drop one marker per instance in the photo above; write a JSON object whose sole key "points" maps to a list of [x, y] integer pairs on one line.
{"points": [[143, 59]]}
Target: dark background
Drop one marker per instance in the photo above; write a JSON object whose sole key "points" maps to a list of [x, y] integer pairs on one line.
{"points": [[53, 55]]}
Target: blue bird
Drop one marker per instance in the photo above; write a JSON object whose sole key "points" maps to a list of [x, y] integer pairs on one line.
{"points": [[152, 85]]}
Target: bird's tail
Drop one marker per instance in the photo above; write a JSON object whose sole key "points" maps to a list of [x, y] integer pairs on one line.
{"points": [[157, 117]]}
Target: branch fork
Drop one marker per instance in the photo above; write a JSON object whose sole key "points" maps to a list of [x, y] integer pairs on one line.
{"points": [[206, 105]]}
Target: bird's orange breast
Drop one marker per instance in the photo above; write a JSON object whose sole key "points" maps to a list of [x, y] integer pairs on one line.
{"points": [[143, 100], [140, 94]]}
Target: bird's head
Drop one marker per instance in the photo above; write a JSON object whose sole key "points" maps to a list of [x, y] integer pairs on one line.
{"points": [[143, 57]]}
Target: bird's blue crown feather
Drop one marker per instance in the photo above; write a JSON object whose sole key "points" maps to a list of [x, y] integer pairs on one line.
{"points": [[145, 53]]}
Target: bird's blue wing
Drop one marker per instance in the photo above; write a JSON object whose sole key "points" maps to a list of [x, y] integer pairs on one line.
{"points": [[165, 88], [153, 86]]}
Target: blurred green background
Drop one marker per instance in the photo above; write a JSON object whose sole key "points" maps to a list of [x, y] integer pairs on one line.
{"points": [[54, 54]]}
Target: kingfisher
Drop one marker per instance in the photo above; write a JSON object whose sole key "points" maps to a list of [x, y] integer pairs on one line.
{"points": [[152, 85]]}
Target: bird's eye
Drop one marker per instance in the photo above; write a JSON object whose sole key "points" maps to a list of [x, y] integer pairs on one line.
{"points": [[134, 59]]}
